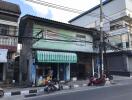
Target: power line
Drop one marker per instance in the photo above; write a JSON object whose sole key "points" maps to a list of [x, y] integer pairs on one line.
{"points": [[56, 6], [29, 37], [62, 7], [59, 40]]}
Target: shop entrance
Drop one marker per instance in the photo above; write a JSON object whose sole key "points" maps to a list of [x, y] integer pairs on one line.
{"points": [[81, 71], [44, 69], [1, 71], [58, 70]]}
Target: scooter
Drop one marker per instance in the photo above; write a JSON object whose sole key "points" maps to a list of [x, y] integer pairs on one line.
{"points": [[1, 92], [53, 86], [97, 81]]}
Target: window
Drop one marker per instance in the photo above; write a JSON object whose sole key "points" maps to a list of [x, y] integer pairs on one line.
{"points": [[4, 29], [81, 38], [120, 41], [12, 30], [116, 25], [7, 30]]}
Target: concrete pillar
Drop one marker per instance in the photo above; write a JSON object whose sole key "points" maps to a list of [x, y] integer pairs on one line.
{"points": [[4, 71], [58, 72], [129, 37], [68, 72], [92, 66]]}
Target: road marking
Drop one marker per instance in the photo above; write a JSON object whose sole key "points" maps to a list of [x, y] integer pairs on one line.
{"points": [[7, 94], [24, 92]]}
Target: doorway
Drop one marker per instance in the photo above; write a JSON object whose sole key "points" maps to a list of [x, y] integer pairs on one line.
{"points": [[1, 71]]}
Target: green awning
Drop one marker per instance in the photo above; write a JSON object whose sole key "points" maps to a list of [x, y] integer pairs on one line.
{"points": [[55, 57]]}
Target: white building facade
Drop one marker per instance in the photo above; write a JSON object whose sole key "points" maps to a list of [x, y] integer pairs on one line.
{"points": [[117, 22]]}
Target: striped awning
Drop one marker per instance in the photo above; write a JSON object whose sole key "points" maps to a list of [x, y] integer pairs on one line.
{"points": [[55, 57]]}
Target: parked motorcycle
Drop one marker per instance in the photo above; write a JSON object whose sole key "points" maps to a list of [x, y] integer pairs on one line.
{"points": [[1, 92], [97, 81], [53, 86]]}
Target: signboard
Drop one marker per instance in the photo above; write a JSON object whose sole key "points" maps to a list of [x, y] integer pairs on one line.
{"points": [[68, 40], [3, 55]]}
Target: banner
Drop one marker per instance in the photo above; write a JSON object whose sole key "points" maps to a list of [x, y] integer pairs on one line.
{"points": [[3, 55]]}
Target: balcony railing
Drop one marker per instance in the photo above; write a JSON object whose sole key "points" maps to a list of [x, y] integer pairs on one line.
{"points": [[8, 41]]}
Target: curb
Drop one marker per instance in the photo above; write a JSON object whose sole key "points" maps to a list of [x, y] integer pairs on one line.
{"points": [[24, 92], [34, 92]]}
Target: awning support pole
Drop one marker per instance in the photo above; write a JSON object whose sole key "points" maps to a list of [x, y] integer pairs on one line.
{"points": [[92, 66], [58, 72]]}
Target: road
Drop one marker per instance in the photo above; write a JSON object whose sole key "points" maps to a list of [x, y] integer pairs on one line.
{"points": [[110, 93]]}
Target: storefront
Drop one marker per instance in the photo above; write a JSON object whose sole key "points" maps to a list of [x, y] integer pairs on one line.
{"points": [[57, 62], [3, 61]]}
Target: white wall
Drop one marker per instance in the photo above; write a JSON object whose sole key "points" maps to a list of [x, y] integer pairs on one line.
{"points": [[10, 23], [119, 31], [129, 7], [114, 9]]}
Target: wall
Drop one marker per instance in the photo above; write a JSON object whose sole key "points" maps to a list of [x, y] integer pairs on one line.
{"points": [[111, 11], [129, 7], [119, 31], [8, 17]]}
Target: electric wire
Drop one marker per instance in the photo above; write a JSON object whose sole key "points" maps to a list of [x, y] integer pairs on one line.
{"points": [[56, 6]]}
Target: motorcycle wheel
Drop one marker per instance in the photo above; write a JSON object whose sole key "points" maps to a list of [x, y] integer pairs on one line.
{"points": [[49, 89], [1, 93], [60, 87]]}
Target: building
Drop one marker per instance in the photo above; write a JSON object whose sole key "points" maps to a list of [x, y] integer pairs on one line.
{"points": [[118, 24], [65, 49], [9, 14]]}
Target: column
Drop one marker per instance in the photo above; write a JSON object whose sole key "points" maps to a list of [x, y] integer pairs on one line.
{"points": [[92, 66], [58, 72], [68, 72], [4, 71], [129, 37]]}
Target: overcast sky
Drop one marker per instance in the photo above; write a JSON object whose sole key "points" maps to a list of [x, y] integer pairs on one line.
{"points": [[52, 13]]}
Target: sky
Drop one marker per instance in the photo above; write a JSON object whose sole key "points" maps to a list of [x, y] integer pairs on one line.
{"points": [[52, 13]]}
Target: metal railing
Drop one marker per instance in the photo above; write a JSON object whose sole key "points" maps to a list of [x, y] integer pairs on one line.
{"points": [[8, 41]]}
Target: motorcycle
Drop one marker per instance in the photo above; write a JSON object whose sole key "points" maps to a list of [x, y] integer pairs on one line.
{"points": [[53, 86], [97, 81], [1, 92]]}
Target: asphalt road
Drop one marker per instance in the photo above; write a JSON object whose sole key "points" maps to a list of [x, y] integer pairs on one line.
{"points": [[110, 93]]}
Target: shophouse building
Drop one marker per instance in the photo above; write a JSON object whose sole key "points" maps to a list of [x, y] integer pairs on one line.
{"points": [[65, 49], [9, 15]]}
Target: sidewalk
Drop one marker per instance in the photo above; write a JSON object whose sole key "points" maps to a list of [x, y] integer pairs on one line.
{"points": [[11, 91], [72, 84], [122, 79]]}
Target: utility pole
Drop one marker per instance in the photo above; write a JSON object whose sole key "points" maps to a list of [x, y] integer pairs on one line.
{"points": [[129, 36], [101, 40]]}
